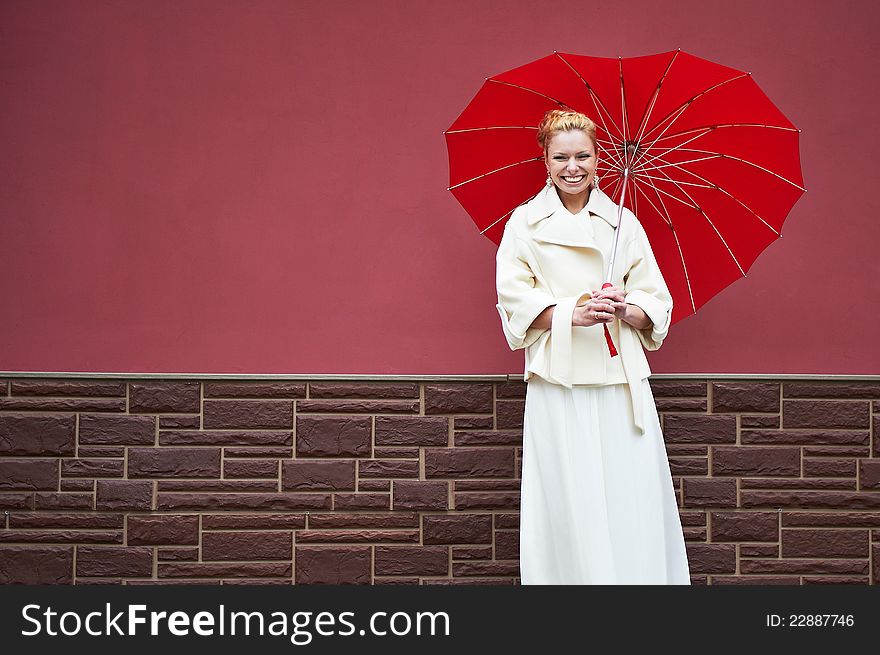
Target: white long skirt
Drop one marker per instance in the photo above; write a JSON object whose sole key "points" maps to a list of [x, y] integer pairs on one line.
{"points": [[597, 503]]}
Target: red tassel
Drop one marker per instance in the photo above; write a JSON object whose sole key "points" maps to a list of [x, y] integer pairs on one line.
{"points": [[611, 349]]}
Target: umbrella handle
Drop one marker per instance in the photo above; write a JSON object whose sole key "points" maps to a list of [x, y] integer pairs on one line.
{"points": [[611, 349]]}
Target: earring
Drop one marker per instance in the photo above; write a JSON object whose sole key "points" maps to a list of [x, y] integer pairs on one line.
{"points": [[596, 182], [549, 181]]}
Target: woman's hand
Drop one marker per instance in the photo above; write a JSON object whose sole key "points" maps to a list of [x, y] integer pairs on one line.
{"points": [[631, 314], [596, 311]]}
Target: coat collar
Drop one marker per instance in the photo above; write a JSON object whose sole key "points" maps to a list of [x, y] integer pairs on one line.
{"points": [[547, 203]]}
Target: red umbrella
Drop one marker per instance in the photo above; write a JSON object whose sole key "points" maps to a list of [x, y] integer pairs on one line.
{"points": [[712, 166]]}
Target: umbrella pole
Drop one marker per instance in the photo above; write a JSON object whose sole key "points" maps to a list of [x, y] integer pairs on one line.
{"points": [[611, 349]]}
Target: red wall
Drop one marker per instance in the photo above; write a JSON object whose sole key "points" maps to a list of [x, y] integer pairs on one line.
{"points": [[260, 186]]}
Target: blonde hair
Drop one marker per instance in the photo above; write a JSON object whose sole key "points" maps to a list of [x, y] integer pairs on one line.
{"points": [[559, 120]]}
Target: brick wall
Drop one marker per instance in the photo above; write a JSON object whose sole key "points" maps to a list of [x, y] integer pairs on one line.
{"points": [[406, 482]]}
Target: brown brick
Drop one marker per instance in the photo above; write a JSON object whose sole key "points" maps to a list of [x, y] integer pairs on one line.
{"points": [[800, 484], [831, 389], [178, 554], [851, 414], [333, 565], [763, 580], [86, 452], [692, 518], [675, 388], [131, 561], [36, 565], [507, 521], [869, 473], [73, 484], [16, 501], [256, 521], [25, 434], [487, 485], [374, 485], [421, 495], [238, 501], [255, 390], [412, 560], [233, 546], [66, 388], [225, 570], [248, 414], [489, 438], [388, 468], [460, 529], [473, 552], [681, 404], [458, 398], [745, 397], [45, 520], [323, 436], [709, 493], [226, 438], [412, 431], [736, 460], [123, 430], [507, 545], [361, 501], [62, 404], [711, 558], [829, 467], [316, 475], [759, 550], [396, 453], [180, 421], [174, 462], [124, 495], [28, 474], [835, 579], [824, 543], [165, 530], [472, 423], [689, 465], [357, 536], [759, 421], [219, 486], [61, 536], [92, 468], [509, 414], [679, 450], [165, 397], [835, 451], [694, 428], [805, 437], [806, 499], [802, 566], [363, 390], [875, 558], [258, 452], [487, 500], [358, 406], [485, 568], [745, 526], [62, 501], [250, 468], [831, 519], [511, 389], [469, 462], [383, 520]]}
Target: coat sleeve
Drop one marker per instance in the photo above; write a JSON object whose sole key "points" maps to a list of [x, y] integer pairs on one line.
{"points": [[519, 301], [645, 287]]}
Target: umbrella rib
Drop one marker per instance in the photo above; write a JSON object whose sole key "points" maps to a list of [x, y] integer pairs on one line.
{"points": [[641, 131], [624, 114], [599, 104], [711, 185], [494, 223], [656, 167], [687, 103], [665, 215], [705, 129], [493, 127], [473, 179], [668, 150], [708, 220], [660, 179], [739, 159], [525, 88]]}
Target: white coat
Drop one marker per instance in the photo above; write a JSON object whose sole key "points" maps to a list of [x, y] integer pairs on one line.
{"points": [[549, 256]]}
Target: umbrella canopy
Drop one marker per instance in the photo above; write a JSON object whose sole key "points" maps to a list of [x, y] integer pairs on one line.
{"points": [[714, 167]]}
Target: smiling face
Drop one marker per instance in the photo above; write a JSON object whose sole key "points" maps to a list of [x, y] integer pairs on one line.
{"points": [[571, 162]]}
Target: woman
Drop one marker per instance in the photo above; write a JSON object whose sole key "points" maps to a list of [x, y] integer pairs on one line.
{"points": [[597, 503]]}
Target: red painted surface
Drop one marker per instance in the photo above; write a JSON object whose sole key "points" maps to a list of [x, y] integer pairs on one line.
{"points": [[260, 187]]}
